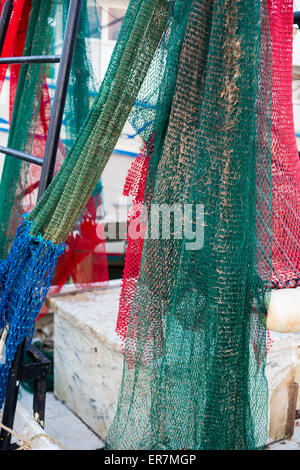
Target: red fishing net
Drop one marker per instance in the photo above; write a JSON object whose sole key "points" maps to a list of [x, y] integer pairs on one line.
{"points": [[85, 257], [286, 164], [135, 187], [15, 36]]}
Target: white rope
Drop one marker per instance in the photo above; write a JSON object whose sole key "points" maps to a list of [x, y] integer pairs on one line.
{"points": [[26, 443]]}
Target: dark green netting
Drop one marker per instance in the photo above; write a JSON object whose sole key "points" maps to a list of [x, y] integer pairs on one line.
{"points": [[195, 352], [85, 76], [196, 345]]}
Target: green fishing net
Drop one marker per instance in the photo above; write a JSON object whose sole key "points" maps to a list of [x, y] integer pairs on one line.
{"points": [[195, 351], [63, 201]]}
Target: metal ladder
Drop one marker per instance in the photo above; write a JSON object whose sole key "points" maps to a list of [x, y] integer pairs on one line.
{"points": [[39, 367]]}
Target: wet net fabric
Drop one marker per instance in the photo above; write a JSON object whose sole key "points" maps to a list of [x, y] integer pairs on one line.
{"points": [[195, 351], [85, 257]]}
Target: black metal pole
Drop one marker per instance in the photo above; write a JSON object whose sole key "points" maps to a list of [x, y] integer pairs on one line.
{"points": [[4, 21], [11, 397], [46, 176], [60, 94]]}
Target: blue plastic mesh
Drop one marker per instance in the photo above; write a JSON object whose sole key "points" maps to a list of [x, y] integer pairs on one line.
{"points": [[25, 278]]}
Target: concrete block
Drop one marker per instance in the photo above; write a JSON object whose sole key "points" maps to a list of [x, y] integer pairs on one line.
{"points": [[87, 355], [283, 360]]}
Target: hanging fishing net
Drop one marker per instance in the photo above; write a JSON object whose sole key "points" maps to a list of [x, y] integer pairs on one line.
{"points": [[27, 272], [285, 174], [85, 258], [22, 131], [196, 342], [15, 35]]}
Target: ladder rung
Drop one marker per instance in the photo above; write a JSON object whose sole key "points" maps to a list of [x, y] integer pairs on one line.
{"points": [[30, 59], [22, 155]]}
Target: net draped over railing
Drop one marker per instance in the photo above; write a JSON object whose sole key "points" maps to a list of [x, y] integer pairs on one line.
{"points": [[195, 353]]}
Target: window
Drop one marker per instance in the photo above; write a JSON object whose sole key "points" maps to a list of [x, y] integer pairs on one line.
{"points": [[115, 16]]}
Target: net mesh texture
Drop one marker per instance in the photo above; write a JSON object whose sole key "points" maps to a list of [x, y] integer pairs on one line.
{"points": [[195, 350], [285, 175], [286, 163], [196, 341], [27, 272]]}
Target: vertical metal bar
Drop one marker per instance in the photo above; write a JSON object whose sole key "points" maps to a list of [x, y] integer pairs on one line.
{"points": [[60, 94], [39, 396], [11, 397], [4, 21]]}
